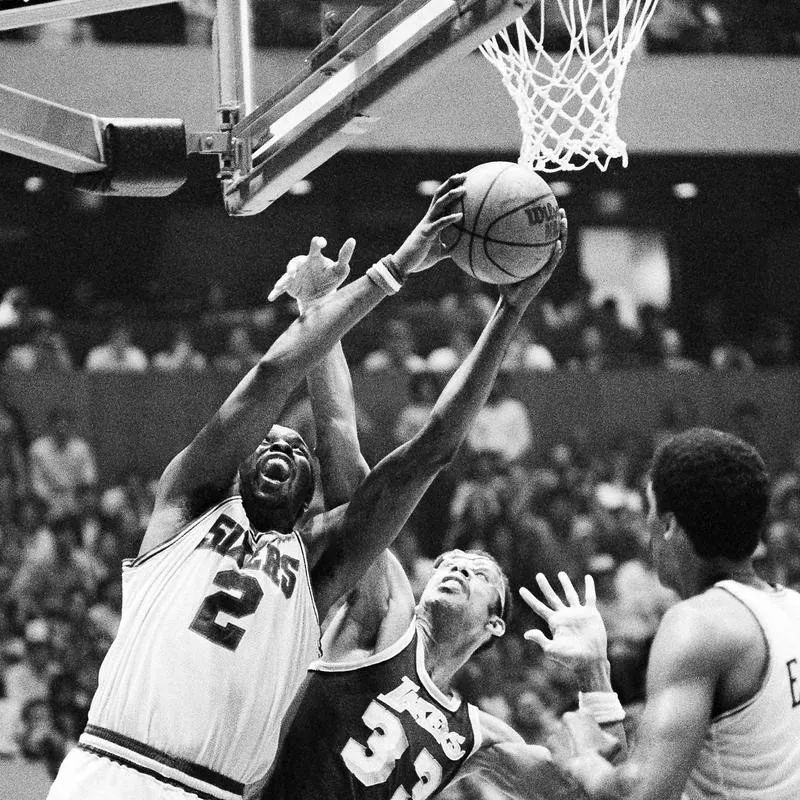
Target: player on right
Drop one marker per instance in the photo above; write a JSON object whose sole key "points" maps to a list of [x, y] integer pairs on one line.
{"points": [[722, 714]]}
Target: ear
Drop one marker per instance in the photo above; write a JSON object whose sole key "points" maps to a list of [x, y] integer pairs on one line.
{"points": [[671, 524], [495, 626]]}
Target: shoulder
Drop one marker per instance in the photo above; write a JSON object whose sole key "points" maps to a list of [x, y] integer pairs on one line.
{"points": [[495, 731], [702, 633]]}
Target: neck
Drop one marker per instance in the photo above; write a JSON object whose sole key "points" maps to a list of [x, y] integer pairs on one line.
{"points": [[722, 569], [444, 655]]}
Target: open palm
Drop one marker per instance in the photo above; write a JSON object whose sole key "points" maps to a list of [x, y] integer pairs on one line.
{"points": [[578, 632]]}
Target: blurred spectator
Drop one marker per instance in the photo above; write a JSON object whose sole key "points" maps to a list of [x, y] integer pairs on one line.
{"points": [[525, 354], [423, 391], [725, 357], [15, 309], [118, 354], [181, 354], [619, 339], [502, 426], [45, 351], [105, 614], [685, 26], [28, 679], [671, 353], [92, 521], [677, 414], [398, 350], [39, 739], [44, 582], [239, 354], [61, 462], [13, 459], [652, 324], [592, 355], [774, 344], [30, 527], [446, 359], [129, 504]]}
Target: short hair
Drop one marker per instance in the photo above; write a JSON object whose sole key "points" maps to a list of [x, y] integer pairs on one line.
{"points": [[717, 487]]}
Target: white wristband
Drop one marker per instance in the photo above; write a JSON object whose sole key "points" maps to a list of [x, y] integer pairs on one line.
{"points": [[603, 706], [382, 276]]}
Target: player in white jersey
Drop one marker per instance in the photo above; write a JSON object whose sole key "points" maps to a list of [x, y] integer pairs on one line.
{"points": [[722, 713], [220, 608]]}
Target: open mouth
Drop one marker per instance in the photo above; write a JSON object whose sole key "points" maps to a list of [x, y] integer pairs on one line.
{"points": [[455, 579], [276, 468]]}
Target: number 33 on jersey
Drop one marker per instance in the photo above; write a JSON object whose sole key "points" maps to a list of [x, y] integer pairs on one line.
{"points": [[378, 729]]}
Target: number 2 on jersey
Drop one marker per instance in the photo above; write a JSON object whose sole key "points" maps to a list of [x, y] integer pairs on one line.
{"points": [[205, 621], [374, 763]]}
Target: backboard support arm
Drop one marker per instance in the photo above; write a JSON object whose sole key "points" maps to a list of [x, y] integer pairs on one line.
{"points": [[349, 82]]}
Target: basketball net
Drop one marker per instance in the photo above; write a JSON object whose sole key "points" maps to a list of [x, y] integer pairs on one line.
{"points": [[568, 104]]}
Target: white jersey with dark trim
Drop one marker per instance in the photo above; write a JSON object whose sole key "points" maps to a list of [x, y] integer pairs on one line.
{"points": [[218, 628], [753, 752]]}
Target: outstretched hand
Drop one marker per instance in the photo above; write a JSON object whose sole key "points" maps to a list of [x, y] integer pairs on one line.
{"points": [[521, 293], [309, 277], [579, 634], [423, 247]]}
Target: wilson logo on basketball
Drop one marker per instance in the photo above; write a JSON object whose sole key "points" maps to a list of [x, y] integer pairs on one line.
{"points": [[542, 213]]}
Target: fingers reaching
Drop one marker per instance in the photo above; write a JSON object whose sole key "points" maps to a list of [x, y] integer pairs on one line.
{"points": [[279, 288], [317, 244], [536, 605], [548, 592], [535, 635], [569, 589], [346, 253], [591, 594]]}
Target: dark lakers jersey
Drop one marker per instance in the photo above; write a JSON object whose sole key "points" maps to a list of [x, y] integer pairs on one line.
{"points": [[377, 729]]}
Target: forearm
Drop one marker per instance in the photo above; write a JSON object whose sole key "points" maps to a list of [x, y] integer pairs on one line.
{"points": [[319, 327], [469, 387], [596, 677], [342, 467]]}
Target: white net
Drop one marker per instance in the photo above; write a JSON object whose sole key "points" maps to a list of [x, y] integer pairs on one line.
{"points": [[568, 103]]}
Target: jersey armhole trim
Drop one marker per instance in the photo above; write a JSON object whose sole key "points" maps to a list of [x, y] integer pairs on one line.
{"points": [[477, 729], [131, 563], [307, 571], [769, 665], [376, 658]]}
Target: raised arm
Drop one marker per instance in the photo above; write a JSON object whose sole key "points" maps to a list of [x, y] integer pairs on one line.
{"points": [[344, 542], [201, 473], [579, 643], [309, 279], [684, 668]]}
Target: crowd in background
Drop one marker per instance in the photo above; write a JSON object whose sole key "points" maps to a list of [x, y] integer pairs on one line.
{"points": [[580, 334], [575, 505], [678, 26]]}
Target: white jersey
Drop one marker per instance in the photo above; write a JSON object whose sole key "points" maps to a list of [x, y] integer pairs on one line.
{"points": [[753, 752], [218, 628]]}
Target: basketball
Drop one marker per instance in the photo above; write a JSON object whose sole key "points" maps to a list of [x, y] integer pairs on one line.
{"points": [[510, 223]]}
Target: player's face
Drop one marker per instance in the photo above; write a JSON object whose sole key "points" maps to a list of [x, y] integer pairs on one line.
{"points": [[277, 479], [663, 559], [468, 580]]}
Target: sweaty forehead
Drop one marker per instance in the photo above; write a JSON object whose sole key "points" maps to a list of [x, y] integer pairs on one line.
{"points": [[289, 435], [475, 560]]}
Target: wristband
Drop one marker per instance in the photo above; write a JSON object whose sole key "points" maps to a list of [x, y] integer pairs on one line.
{"points": [[603, 706], [383, 274]]}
